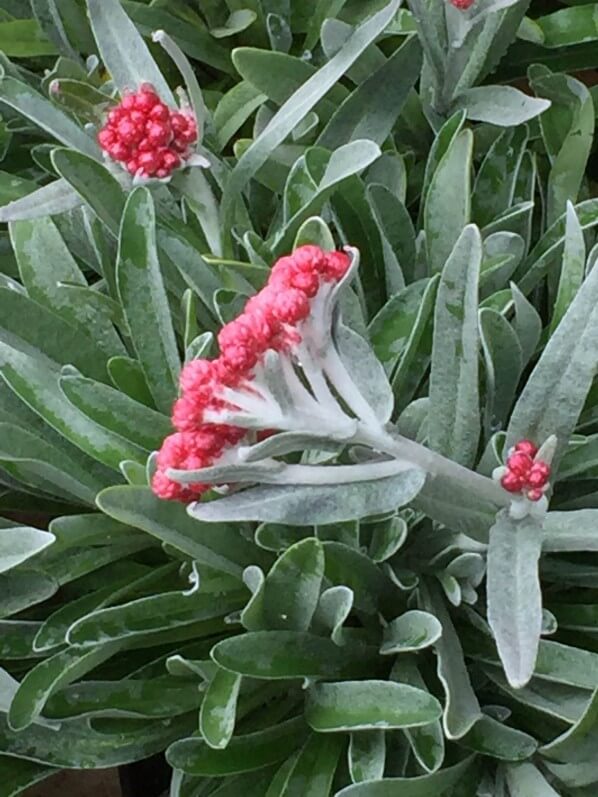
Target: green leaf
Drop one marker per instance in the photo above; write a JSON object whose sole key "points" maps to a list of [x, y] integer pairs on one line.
{"points": [[327, 504], [454, 416], [48, 14], [396, 233], [448, 200], [299, 104], [123, 51], [503, 359], [56, 197], [527, 324], [37, 386], [237, 22], [524, 780], [492, 738], [577, 744], [244, 753], [22, 98], [573, 268], [79, 98], [570, 531], [290, 654], [20, 589], [115, 411], [569, 26], [143, 295], [461, 709], [514, 596], [315, 766], [440, 784], [504, 106], [367, 755], [20, 774], [234, 109], [44, 263], [367, 705], [222, 547], [93, 183], [21, 543], [47, 677], [24, 38], [219, 709], [370, 112], [138, 618], [554, 394], [410, 632], [496, 180]]}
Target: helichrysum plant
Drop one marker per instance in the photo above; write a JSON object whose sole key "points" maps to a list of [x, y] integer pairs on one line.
{"points": [[298, 413]]}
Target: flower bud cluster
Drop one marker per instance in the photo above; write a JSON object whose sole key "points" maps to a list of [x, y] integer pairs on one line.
{"points": [[270, 321], [148, 137], [462, 5], [525, 473]]}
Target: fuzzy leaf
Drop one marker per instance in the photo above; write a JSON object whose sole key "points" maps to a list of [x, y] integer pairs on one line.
{"points": [[500, 105]]}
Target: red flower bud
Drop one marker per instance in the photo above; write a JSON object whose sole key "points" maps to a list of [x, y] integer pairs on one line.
{"points": [[512, 483], [527, 447]]}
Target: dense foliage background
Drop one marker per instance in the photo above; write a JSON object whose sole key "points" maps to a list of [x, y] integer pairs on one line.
{"points": [[313, 658]]}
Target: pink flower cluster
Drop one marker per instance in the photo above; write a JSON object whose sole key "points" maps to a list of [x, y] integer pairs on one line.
{"points": [[271, 320], [525, 474], [462, 5], [146, 136]]}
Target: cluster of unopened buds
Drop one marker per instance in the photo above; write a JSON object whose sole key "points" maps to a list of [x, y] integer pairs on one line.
{"points": [[525, 473], [274, 320], [462, 5], [149, 138]]}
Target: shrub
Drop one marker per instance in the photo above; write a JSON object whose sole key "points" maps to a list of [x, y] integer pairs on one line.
{"points": [[372, 596]]}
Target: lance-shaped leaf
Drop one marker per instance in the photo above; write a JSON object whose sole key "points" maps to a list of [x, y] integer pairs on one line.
{"points": [[307, 506], [219, 709], [573, 267], [410, 632], [366, 705], [555, 393], [524, 780], [143, 295], [21, 543], [313, 771], [514, 596], [454, 415], [505, 106], [367, 755]]}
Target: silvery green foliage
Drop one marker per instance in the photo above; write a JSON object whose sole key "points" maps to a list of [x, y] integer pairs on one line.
{"points": [[366, 612]]}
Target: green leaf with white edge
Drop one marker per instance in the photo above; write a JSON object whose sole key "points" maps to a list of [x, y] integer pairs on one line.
{"points": [[492, 738], [525, 780], [234, 109], [45, 262], [366, 371], [334, 607], [123, 51], [427, 741], [514, 596], [20, 589], [368, 705], [527, 324], [370, 112], [24, 38], [222, 547], [410, 632], [274, 655], [45, 114], [143, 295], [504, 106], [219, 709], [134, 698], [571, 531], [573, 266], [344, 163], [462, 709], [163, 612], [577, 744], [80, 98], [387, 538], [19, 774], [50, 675], [503, 359], [38, 387], [46, 337], [56, 197], [299, 104], [21, 543], [314, 769], [246, 753], [448, 201], [396, 233], [568, 26], [116, 411], [316, 232], [301, 565], [454, 415], [555, 393], [237, 22], [83, 747], [327, 504], [94, 184], [496, 179], [440, 146], [440, 784], [367, 755]]}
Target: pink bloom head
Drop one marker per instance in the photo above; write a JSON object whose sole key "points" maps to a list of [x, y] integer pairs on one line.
{"points": [[462, 5]]}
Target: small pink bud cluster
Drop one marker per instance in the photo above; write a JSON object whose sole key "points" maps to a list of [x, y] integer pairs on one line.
{"points": [[462, 5], [270, 321], [525, 474], [146, 136]]}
